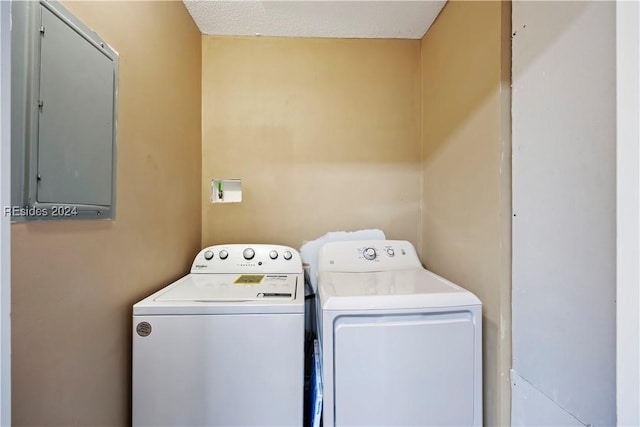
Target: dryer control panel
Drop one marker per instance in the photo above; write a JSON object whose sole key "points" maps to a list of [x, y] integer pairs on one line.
{"points": [[358, 256], [247, 258]]}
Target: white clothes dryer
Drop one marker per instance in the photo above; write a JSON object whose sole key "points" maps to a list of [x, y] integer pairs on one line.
{"points": [[224, 345], [401, 346]]}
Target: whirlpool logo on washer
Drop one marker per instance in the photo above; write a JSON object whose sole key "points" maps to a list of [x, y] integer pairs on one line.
{"points": [[143, 329]]}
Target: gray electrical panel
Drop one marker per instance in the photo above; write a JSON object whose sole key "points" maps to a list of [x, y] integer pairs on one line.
{"points": [[64, 102]]}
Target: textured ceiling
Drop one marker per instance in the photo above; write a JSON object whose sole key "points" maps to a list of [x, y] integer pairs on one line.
{"points": [[315, 18]]}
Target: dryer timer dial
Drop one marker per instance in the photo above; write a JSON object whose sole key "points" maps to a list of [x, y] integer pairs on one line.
{"points": [[369, 253]]}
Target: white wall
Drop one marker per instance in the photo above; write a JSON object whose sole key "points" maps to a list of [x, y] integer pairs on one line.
{"points": [[564, 197], [628, 212], [5, 196]]}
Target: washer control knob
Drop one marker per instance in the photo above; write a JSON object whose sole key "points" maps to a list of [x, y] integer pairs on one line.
{"points": [[208, 255], [223, 254], [287, 255], [390, 252], [273, 254], [370, 253], [248, 253]]}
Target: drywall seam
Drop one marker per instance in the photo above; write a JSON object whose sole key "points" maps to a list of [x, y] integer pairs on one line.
{"points": [[533, 386], [505, 351], [421, 225]]}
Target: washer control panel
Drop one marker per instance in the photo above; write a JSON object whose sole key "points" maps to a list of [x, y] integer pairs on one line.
{"points": [[368, 255], [249, 258]]}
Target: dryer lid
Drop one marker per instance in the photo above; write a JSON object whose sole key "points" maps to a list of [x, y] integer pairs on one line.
{"points": [[231, 287], [404, 289]]}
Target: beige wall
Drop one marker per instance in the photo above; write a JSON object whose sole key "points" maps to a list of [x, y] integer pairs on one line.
{"points": [[404, 135], [324, 133], [466, 154], [73, 284]]}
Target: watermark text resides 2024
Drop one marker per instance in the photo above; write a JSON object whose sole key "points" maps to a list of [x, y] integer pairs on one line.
{"points": [[39, 212]]}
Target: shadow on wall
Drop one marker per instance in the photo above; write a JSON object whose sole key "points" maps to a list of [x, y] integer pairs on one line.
{"points": [[559, 22], [474, 81]]}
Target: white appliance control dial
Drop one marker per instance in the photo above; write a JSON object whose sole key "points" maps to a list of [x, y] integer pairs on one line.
{"points": [[369, 253], [248, 258], [248, 253], [365, 256]]}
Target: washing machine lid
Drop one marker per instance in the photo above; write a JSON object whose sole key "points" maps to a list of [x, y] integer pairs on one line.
{"points": [[388, 290], [226, 293], [232, 287]]}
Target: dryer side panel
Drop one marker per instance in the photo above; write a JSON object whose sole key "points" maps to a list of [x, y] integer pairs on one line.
{"points": [[405, 370]]}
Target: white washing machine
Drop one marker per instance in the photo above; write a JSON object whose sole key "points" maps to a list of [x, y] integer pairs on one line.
{"points": [[401, 346], [224, 345]]}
